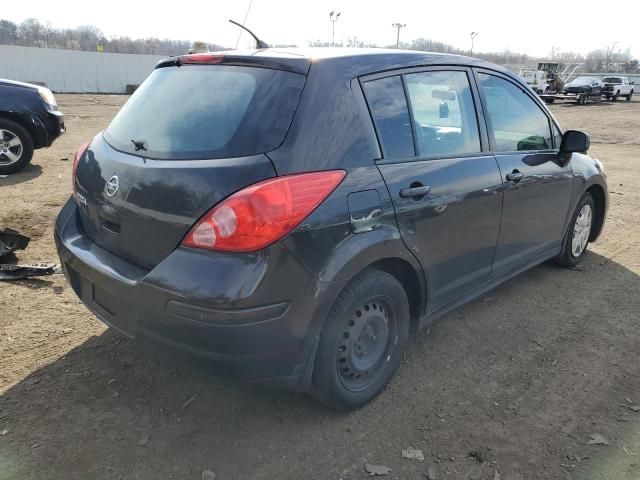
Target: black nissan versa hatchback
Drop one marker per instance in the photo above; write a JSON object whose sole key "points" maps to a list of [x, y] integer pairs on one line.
{"points": [[296, 215]]}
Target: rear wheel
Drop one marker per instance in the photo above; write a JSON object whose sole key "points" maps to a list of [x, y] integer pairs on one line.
{"points": [[362, 341], [575, 243], [16, 147], [629, 96]]}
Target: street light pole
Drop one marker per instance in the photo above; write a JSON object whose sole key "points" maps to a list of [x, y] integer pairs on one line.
{"points": [[609, 51], [473, 37], [333, 16], [398, 26]]}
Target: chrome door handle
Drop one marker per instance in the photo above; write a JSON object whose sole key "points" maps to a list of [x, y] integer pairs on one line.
{"points": [[515, 176], [414, 192]]}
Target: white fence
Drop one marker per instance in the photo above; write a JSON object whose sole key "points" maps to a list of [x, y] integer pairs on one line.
{"points": [[74, 71]]}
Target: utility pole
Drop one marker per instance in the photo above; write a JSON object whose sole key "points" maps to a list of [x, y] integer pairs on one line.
{"points": [[609, 49], [473, 37], [333, 16], [398, 26]]}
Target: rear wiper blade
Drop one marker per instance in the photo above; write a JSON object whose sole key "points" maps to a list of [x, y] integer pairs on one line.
{"points": [[139, 145]]}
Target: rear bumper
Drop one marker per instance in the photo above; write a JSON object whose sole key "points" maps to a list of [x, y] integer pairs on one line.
{"points": [[247, 317]]}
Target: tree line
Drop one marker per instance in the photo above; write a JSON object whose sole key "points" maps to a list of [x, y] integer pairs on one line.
{"points": [[33, 33]]}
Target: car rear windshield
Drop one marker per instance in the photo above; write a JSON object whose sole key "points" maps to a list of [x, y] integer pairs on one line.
{"points": [[612, 80], [212, 111]]}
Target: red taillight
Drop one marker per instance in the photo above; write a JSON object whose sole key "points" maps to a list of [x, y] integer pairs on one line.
{"points": [[76, 158], [262, 214], [200, 58]]}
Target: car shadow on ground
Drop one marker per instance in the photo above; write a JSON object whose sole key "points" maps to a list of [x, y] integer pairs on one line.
{"points": [[106, 410], [28, 173]]}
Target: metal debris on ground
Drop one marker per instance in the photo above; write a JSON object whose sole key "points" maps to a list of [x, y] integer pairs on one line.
{"points": [[374, 470], [413, 454], [12, 240], [20, 272]]}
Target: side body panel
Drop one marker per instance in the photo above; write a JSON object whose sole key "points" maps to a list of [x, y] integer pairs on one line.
{"points": [[454, 228], [535, 209]]}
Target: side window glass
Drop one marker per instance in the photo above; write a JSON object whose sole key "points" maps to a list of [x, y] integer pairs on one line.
{"points": [[517, 122], [390, 113], [443, 113]]}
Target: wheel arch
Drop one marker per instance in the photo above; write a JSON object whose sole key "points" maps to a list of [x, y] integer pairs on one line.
{"points": [[415, 289], [600, 204], [21, 121]]}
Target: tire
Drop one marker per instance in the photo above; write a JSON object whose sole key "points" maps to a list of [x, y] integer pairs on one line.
{"points": [[574, 251], [629, 96], [615, 97], [362, 342], [16, 147]]}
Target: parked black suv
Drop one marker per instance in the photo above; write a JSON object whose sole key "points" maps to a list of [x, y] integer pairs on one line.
{"points": [[296, 215], [29, 119]]}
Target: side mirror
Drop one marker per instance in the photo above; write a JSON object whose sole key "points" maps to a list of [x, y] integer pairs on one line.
{"points": [[575, 141]]}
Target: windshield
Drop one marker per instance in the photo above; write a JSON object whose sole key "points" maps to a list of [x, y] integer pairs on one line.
{"points": [[215, 111], [612, 80]]}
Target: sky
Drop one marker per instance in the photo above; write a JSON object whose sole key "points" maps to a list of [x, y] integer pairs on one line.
{"points": [[524, 27]]}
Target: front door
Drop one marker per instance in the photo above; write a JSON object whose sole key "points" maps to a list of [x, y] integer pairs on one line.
{"points": [[445, 186], [537, 184]]}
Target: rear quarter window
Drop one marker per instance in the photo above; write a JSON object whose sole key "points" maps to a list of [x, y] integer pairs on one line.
{"points": [[388, 106], [215, 111]]}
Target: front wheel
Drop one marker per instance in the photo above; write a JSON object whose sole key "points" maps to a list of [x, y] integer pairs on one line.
{"points": [[16, 147], [615, 97], [362, 341], [575, 243]]}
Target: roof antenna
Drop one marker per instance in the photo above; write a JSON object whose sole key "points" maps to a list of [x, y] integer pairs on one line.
{"points": [[259, 43]]}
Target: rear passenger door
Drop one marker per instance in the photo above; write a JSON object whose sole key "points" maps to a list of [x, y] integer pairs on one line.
{"points": [[444, 183], [537, 183]]}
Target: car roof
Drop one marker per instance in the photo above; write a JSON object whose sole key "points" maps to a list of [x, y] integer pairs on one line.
{"points": [[360, 61]]}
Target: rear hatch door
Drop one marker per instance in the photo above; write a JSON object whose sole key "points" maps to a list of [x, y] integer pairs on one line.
{"points": [[189, 137]]}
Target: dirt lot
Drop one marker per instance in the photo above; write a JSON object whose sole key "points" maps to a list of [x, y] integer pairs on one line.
{"points": [[523, 377]]}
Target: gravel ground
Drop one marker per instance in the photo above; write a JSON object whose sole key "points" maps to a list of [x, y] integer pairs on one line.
{"points": [[511, 386]]}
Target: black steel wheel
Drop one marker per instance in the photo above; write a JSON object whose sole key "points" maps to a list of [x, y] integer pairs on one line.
{"points": [[365, 341], [362, 341]]}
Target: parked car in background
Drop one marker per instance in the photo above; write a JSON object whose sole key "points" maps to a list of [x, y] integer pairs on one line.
{"points": [[614, 87], [29, 119], [584, 85], [293, 216]]}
